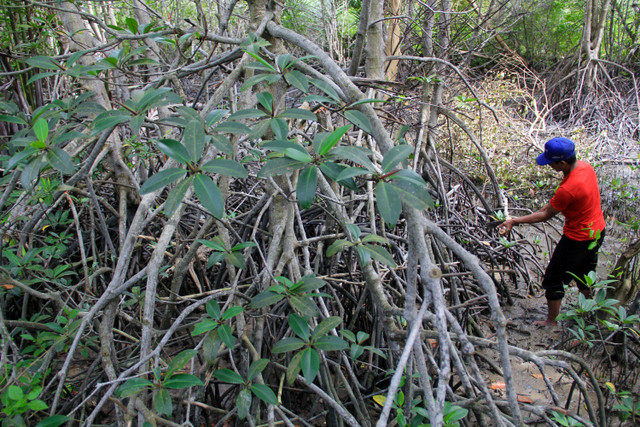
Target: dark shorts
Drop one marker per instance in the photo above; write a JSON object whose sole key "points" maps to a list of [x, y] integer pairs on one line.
{"points": [[570, 256]]}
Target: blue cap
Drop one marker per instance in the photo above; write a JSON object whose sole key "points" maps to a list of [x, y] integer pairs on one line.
{"points": [[557, 150]]}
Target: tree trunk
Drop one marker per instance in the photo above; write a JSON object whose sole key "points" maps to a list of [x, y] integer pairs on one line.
{"points": [[394, 39], [626, 274]]}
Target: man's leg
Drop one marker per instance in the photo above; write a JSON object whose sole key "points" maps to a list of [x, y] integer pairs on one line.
{"points": [[553, 310], [555, 278]]}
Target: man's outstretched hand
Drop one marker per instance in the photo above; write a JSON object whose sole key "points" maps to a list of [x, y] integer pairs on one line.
{"points": [[506, 226]]}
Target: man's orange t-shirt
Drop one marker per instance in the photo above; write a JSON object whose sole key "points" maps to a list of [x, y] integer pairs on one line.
{"points": [[578, 198]]}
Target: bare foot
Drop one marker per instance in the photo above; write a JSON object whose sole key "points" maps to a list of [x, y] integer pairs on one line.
{"points": [[545, 323]]}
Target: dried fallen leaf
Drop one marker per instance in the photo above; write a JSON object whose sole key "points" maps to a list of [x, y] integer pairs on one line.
{"points": [[380, 399], [538, 376], [498, 386], [524, 399], [7, 286]]}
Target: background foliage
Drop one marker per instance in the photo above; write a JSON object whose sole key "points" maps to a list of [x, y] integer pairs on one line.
{"points": [[248, 212]]}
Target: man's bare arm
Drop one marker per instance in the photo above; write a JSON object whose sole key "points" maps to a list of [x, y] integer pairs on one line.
{"points": [[546, 213]]}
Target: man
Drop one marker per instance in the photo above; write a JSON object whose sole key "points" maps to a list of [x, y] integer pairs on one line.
{"points": [[578, 198]]}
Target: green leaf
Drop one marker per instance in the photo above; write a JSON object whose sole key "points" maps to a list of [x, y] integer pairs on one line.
{"points": [[354, 231], [395, 156], [194, 140], [132, 24], [284, 61], [298, 153], [326, 88], [247, 113], [264, 393], [294, 367], [224, 331], [243, 403], [259, 130], [308, 283], [176, 195], [380, 254], [266, 100], [280, 128], [299, 326], [306, 186], [389, 203], [280, 145], [359, 119], [351, 172], [109, 119], [265, 299], [237, 259], [12, 119], [179, 361], [179, 381], [454, 414], [280, 166], [310, 364], [243, 245], [262, 61], [53, 421], [326, 326], [337, 246], [232, 312], [371, 238], [162, 402], [67, 136], [213, 309], [287, 344], [256, 367], [162, 179], [215, 116], [298, 80], [204, 326], [143, 61], [216, 244], [209, 195], [258, 78], [303, 305], [222, 143], [348, 335], [408, 175], [40, 76], [39, 145], [225, 167], [412, 194], [43, 62], [228, 376], [332, 171], [175, 150], [15, 393], [367, 101], [41, 129], [60, 160], [135, 124], [133, 386], [331, 140], [330, 343], [155, 98], [363, 254], [285, 281], [318, 98], [298, 113], [232, 127], [358, 155], [211, 347]]}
